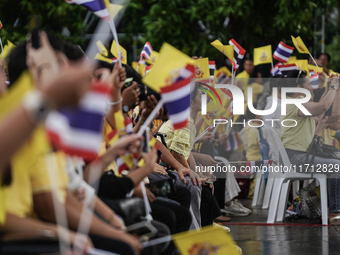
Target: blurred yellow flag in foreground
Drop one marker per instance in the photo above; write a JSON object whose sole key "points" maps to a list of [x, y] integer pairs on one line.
{"points": [[209, 240]]}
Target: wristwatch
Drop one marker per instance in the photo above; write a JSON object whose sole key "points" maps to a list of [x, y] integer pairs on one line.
{"points": [[36, 106], [125, 108]]}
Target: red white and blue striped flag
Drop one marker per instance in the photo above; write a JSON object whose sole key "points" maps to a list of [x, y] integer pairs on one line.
{"points": [[275, 70], [238, 54], [233, 142], [177, 97], [283, 52], [212, 68], [314, 80], [96, 6], [146, 52], [285, 69], [79, 131]]}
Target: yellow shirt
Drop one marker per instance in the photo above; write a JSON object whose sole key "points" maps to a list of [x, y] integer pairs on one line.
{"points": [[35, 179], [253, 146], [326, 135], [299, 137], [244, 78], [180, 141], [257, 90], [3, 191]]}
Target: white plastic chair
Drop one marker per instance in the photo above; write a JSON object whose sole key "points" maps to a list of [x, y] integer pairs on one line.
{"points": [[281, 187]]}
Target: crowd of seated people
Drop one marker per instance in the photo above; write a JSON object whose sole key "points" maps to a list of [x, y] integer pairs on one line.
{"points": [[45, 194]]}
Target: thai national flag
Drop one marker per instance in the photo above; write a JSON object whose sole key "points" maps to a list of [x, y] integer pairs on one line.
{"points": [[238, 54], [147, 50], [148, 69], [283, 52], [314, 80], [234, 142], [96, 6], [285, 69], [275, 70], [79, 131], [212, 68], [177, 98], [126, 161]]}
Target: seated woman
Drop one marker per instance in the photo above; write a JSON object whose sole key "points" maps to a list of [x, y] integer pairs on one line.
{"points": [[297, 139], [180, 143]]}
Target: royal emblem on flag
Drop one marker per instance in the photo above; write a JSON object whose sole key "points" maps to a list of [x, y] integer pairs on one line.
{"points": [[198, 72], [211, 114], [263, 56], [204, 248]]}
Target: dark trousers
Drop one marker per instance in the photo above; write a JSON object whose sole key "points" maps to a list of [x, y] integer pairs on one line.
{"points": [[209, 207]]}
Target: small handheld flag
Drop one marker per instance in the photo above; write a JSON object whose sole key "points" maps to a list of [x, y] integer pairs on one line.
{"points": [[167, 68], [0, 24], [275, 70], [283, 52], [239, 53], [314, 81], [177, 98], [212, 68], [285, 69], [227, 50], [79, 131], [299, 45], [122, 52], [263, 55], [98, 7]]}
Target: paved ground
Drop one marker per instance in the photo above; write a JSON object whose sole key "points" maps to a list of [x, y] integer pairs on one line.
{"points": [[293, 237]]}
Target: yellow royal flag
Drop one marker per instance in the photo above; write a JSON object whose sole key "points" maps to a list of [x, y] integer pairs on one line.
{"points": [[102, 58], [102, 49], [301, 64], [166, 70], [113, 9], [223, 70], [215, 109], [299, 45], [291, 58], [227, 50], [153, 57], [7, 48], [208, 240], [140, 69], [113, 50], [263, 55], [202, 68], [315, 69]]}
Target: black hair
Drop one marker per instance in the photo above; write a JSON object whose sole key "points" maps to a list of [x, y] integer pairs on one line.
{"points": [[295, 78], [17, 58], [327, 55], [72, 52]]}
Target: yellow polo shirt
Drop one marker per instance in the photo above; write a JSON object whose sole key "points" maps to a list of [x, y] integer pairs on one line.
{"points": [[299, 137]]}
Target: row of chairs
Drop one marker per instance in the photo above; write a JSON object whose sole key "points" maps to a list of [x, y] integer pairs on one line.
{"points": [[274, 194]]}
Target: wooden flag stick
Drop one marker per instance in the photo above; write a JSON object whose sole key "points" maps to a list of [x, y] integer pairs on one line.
{"points": [[115, 36], [315, 62]]}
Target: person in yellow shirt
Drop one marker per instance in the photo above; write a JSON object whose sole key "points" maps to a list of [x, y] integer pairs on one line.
{"points": [[323, 60], [243, 77], [297, 139]]}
